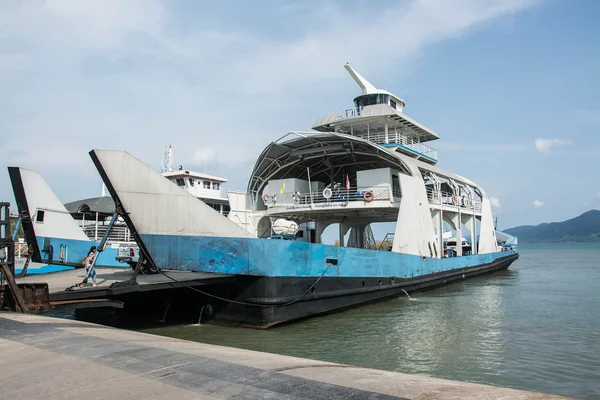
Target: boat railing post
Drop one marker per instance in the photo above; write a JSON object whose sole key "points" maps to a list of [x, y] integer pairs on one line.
{"points": [[96, 229], [102, 244], [16, 230]]}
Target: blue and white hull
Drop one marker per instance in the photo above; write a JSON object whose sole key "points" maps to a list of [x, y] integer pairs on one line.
{"points": [[285, 258], [53, 236], [71, 252], [282, 281]]}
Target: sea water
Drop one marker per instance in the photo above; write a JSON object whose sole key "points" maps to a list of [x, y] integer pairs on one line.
{"points": [[535, 326]]}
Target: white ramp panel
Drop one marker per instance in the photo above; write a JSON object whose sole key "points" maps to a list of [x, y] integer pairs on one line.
{"points": [[157, 206]]}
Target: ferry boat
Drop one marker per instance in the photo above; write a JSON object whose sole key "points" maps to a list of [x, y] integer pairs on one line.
{"points": [[367, 164], [58, 237]]}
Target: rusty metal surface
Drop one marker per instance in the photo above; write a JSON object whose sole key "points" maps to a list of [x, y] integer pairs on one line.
{"points": [[36, 296], [17, 303], [89, 303]]}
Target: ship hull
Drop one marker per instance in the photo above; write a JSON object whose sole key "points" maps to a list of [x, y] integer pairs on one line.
{"points": [[71, 252], [283, 281]]}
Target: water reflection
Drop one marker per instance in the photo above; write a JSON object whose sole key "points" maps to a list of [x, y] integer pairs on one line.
{"points": [[533, 327]]}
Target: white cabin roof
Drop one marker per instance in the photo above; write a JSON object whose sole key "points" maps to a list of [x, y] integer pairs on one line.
{"points": [[192, 174]]}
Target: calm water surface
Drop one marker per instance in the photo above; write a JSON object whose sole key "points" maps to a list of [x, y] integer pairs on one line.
{"points": [[534, 327]]}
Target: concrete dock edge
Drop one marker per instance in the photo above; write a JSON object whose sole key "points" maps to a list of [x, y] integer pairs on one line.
{"points": [[50, 358]]}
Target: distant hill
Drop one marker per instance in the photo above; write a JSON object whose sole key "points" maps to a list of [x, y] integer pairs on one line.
{"points": [[585, 228]]}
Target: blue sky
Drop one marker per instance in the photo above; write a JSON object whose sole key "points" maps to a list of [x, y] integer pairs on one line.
{"points": [[510, 86]]}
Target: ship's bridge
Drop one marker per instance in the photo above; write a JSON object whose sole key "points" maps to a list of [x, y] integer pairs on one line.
{"points": [[377, 117]]}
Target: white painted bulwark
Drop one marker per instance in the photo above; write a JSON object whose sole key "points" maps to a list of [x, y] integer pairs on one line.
{"points": [[414, 228], [160, 206]]}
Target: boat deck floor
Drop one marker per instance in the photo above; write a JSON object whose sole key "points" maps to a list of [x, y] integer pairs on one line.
{"points": [[116, 281]]}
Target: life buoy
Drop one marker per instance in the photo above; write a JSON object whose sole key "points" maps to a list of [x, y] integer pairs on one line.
{"points": [[265, 197], [296, 196], [327, 193], [368, 196]]}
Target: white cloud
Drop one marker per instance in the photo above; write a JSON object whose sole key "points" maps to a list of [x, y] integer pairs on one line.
{"points": [[546, 145], [538, 203], [495, 202], [87, 24], [138, 74]]}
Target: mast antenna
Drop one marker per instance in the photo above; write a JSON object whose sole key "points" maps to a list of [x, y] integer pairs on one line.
{"points": [[167, 160]]}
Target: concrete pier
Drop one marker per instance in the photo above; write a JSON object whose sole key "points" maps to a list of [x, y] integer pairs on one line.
{"points": [[49, 358]]}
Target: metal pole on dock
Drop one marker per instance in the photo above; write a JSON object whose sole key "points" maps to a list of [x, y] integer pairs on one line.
{"points": [[102, 244]]}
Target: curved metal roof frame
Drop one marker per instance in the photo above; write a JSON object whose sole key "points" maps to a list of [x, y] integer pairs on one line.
{"points": [[102, 205], [323, 153]]}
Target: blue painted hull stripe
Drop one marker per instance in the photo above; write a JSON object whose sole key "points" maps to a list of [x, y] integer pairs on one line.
{"points": [[286, 258], [75, 251]]}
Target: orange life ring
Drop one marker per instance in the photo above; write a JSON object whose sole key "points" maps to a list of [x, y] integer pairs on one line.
{"points": [[368, 196], [265, 197]]}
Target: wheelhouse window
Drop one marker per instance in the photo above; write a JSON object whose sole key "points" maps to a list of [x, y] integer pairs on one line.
{"points": [[371, 99], [216, 186], [191, 180], [392, 104], [206, 185], [180, 182]]}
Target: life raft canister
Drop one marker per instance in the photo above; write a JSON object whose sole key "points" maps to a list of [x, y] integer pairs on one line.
{"points": [[368, 196]]}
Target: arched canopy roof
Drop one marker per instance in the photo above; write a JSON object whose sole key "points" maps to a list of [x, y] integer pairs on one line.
{"points": [[104, 206], [324, 154]]}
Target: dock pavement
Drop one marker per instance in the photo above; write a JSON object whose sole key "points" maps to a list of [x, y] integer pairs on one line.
{"points": [[46, 358]]}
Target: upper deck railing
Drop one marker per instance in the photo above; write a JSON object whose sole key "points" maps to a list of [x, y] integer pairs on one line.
{"points": [[397, 139], [341, 195], [393, 138], [450, 199]]}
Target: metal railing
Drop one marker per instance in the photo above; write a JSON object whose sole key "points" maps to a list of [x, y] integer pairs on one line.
{"points": [[393, 137], [396, 138], [118, 233], [450, 199], [387, 243], [351, 112], [21, 249], [338, 195]]}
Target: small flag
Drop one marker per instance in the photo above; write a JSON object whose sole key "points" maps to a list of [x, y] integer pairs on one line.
{"points": [[282, 188], [347, 183]]}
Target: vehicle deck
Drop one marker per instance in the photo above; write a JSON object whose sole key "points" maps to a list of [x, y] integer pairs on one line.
{"points": [[116, 281]]}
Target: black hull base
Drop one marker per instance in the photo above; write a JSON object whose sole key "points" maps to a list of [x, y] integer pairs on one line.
{"points": [[286, 299], [262, 302]]}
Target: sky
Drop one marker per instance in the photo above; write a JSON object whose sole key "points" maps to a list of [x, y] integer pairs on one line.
{"points": [[511, 87]]}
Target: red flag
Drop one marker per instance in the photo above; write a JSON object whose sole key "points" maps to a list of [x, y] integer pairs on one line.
{"points": [[347, 183]]}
